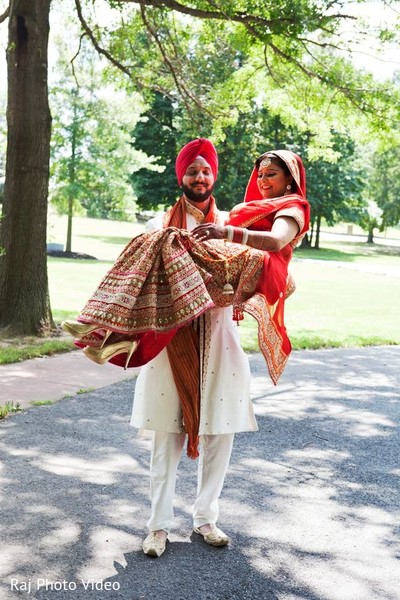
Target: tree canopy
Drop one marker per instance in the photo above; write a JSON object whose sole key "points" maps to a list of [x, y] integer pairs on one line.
{"points": [[293, 57], [91, 152], [385, 185], [219, 64], [156, 135]]}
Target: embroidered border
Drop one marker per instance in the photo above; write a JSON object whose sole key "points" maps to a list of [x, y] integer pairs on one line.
{"points": [[269, 341]]}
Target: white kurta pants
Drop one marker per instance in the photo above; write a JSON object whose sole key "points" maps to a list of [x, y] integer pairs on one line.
{"points": [[213, 462], [225, 408]]}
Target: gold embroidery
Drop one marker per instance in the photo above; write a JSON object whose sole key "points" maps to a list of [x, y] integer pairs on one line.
{"points": [[195, 212]]}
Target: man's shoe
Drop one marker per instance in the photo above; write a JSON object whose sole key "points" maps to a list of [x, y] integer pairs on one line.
{"points": [[154, 545], [215, 537]]}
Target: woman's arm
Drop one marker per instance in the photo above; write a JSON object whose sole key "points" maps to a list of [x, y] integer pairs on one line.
{"points": [[284, 230]]}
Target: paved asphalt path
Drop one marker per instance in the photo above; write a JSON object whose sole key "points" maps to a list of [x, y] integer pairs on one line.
{"points": [[311, 502]]}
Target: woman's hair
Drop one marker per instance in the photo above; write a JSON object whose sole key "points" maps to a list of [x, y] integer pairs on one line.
{"points": [[277, 161]]}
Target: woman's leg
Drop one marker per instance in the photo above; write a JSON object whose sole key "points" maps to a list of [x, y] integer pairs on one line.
{"points": [[165, 455], [215, 453]]}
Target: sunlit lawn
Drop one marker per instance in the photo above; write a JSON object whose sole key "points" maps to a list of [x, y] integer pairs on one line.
{"points": [[334, 304], [339, 300], [343, 304], [71, 283], [96, 237]]}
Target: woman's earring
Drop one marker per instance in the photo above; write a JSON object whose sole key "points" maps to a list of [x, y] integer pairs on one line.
{"points": [[288, 187]]}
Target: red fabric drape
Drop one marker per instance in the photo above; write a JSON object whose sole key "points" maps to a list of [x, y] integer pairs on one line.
{"points": [[259, 215]]}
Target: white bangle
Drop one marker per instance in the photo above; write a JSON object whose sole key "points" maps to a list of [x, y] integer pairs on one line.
{"points": [[245, 236], [229, 233]]}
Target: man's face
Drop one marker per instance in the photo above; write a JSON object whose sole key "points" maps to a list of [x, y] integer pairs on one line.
{"points": [[198, 180]]}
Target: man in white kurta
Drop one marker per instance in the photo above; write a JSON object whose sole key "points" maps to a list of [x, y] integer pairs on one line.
{"points": [[225, 406]]}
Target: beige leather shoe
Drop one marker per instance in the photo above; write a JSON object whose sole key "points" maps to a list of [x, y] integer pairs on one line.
{"points": [[215, 537], [154, 545]]}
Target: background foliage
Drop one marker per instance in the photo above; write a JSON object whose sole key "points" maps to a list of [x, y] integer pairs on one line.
{"points": [[135, 80]]}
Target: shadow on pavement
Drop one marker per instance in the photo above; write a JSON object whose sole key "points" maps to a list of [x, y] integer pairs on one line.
{"points": [[311, 501]]}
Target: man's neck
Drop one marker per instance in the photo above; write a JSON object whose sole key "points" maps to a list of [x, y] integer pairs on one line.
{"points": [[203, 206]]}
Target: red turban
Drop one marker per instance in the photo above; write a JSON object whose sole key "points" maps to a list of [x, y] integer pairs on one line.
{"points": [[200, 147]]}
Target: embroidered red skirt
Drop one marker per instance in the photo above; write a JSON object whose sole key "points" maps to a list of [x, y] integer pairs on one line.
{"points": [[164, 279]]}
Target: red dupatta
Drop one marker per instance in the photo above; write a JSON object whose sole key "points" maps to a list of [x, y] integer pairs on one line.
{"points": [[258, 215]]}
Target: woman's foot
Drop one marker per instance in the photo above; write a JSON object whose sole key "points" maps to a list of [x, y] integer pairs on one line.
{"points": [[154, 544], [106, 353], [212, 535]]}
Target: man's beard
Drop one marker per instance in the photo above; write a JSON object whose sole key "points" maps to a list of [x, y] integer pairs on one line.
{"points": [[196, 196]]}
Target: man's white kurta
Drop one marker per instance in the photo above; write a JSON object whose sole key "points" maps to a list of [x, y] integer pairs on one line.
{"points": [[225, 405]]}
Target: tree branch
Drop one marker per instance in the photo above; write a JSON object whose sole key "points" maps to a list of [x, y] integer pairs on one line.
{"points": [[202, 14], [179, 82], [5, 14], [74, 57], [181, 87], [269, 68], [181, 90], [348, 92], [236, 17], [96, 44], [292, 60], [306, 41]]}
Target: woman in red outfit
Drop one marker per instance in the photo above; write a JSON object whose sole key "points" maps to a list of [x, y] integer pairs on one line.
{"points": [[274, 218]]}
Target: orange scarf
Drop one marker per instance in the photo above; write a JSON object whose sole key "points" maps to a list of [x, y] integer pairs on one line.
{"points": [[183, 349]]}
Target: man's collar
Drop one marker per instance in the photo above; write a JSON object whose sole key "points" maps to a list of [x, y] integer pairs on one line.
{"points": [[195, 212]]}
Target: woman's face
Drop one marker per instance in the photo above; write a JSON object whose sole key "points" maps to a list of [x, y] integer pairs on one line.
{"points": [[272, 181]]}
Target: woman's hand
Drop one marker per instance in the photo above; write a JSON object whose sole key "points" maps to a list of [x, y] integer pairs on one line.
{"points": [[209, 231]]}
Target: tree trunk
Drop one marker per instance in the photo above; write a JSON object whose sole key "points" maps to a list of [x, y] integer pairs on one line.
{"points": [[305, 242], [311, 235], [71, 178], [24, 299], [370, 239], [68, 245], [317, 231]]}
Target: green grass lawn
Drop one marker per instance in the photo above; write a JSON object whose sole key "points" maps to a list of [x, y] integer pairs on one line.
{"points": [[343, 305], [353, 252], [96, 237], [338, 301], [72, 282], [335, 306]]}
